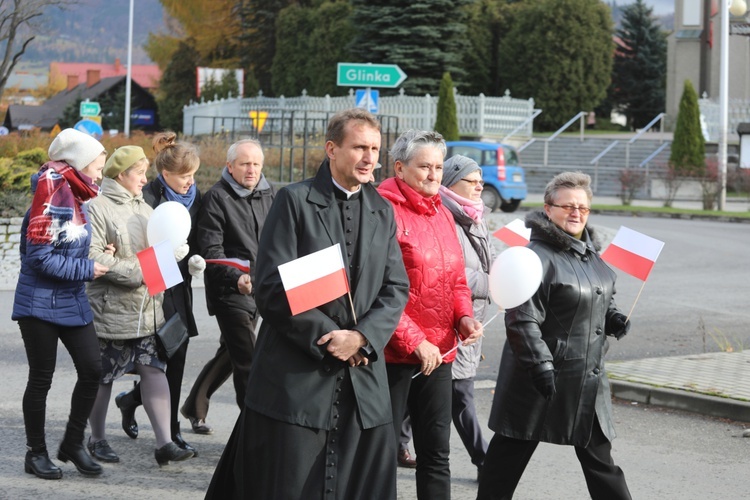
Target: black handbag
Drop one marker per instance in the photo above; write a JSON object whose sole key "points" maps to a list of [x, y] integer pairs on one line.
{"points": [[171, 335]]}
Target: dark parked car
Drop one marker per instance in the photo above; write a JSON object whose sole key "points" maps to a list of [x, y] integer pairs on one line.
{"points": [[504, 178]]}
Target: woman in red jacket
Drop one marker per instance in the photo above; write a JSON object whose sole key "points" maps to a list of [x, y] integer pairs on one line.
{"points": [[439, 310]]}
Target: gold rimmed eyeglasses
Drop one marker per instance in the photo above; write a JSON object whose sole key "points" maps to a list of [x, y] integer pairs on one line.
{"points": [[473, 182], [570, 208]]}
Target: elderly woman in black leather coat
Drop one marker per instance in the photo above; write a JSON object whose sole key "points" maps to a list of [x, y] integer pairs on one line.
{"points": [[552, 386]]}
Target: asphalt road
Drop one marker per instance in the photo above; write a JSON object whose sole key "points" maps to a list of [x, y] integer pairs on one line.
{"points": [[701, 274]]}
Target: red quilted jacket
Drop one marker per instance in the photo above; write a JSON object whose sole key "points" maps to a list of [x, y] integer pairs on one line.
{"points": [[438, 294]]}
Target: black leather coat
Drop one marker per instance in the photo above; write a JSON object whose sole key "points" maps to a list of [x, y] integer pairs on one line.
{"points": [[563, 323]]}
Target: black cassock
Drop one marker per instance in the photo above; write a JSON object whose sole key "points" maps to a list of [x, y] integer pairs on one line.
{"points": [[312, 426]]}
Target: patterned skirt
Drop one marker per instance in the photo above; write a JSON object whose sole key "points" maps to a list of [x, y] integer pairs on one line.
{"points": [[119, 357]]}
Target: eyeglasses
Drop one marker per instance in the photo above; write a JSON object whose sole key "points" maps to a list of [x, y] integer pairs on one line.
{"points": [[474, 183], [569, 209]]}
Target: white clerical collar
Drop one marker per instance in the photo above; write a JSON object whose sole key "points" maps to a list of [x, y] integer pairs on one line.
{"points": [[348, 193]]}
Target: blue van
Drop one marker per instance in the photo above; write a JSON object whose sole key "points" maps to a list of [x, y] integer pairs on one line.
{"points": [[504, 178]]}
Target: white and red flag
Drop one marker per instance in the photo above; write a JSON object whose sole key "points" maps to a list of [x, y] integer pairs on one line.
{"points": [[514, 234], [314, 279], [633, 252], [242, 265], [159, 267]]}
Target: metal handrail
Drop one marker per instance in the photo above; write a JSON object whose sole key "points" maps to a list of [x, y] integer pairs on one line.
{"points": [[639, 134], [654, 154], [604, 152], [551, 138], [527, 144], [570, 122], [595, 162], [536, 113], [648, 127]]}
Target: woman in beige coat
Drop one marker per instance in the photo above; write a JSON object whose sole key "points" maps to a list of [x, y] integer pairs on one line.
{"points": [[125, 316]]}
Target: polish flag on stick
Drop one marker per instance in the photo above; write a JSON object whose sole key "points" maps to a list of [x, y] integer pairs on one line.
{"points": [[159, 267], [514, 234], [633, 252], [242, 265], [314, 279]]}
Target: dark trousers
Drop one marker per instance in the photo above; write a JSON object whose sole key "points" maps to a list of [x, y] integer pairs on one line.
{"points": [[237, 329], [507, 459], [429, 402], [466, 422], [269, 459], [40, 340], [175, 372], [214, 373]]}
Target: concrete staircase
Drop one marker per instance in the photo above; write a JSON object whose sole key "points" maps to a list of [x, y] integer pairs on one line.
{"points": [[570, 153]]}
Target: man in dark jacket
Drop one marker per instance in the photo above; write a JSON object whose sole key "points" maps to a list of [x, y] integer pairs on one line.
{"points": [[317, 421], [229, 225]]}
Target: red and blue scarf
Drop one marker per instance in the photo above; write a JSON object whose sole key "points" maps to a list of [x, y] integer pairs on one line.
{"points": [[56, 215]]}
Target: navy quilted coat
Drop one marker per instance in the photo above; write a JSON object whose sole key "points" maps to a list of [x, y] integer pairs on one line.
{"points": [[51, 284]]}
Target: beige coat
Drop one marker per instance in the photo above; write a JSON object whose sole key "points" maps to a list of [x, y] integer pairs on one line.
{"points": [[122, 306]]}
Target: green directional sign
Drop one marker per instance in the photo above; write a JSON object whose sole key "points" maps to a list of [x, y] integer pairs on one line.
{"points": [[369, 75], [90, 108]]}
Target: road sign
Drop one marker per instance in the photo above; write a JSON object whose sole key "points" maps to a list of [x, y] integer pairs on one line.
{"points": [[369, 75], [367, 99], [89, 127], [259, 119], [90, 108]]}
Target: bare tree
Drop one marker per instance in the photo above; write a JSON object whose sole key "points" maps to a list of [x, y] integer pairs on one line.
{"points": [[14, 16]]}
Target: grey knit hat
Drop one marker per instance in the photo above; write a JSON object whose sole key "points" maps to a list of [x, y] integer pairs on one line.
{"points": [[456, 168], [75, 148]]}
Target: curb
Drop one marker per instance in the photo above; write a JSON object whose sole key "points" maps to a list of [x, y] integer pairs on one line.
{"points": [[681, 400]]}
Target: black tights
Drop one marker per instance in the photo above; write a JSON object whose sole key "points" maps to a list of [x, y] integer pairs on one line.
{"points": [[40, 340]]}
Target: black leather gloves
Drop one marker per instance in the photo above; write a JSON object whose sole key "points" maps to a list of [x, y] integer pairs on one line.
{"points": [[544, 382], [619, 325]]}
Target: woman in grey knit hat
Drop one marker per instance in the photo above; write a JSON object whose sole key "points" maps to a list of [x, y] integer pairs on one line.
{"points": [[461, 192]]}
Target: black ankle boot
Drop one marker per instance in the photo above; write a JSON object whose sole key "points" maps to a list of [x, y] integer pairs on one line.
{"points": [[127, 406], [38, 463], [76, 453], [171, 452], [177, 438]]}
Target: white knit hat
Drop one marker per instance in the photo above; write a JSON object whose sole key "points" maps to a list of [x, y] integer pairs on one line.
{"points": [[75, 148]]}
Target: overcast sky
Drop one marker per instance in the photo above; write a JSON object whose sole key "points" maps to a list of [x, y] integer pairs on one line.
{"points": [[660, 6]]}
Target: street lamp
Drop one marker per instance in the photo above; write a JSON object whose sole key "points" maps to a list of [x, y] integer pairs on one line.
{"points": [[736, 8], [129, 75]]}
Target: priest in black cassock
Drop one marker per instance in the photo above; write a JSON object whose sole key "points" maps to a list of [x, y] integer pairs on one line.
{"points": [[317, 416]]}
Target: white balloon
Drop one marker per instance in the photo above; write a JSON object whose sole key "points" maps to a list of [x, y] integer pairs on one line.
{"points": [[170, 221], [515, 276]]}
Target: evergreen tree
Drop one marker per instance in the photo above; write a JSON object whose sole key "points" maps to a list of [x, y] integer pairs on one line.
{"points": [[560, 53], [310, 41], [329, 42], [639, 73], [293, 27], [257, 39], [424, 37], [446, 121], [481, 60], [688, 155], [177, 86]]}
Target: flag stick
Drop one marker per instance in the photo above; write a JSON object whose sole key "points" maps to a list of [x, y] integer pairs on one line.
{"points": [[491, 319], [351, 303], [636, 301]]}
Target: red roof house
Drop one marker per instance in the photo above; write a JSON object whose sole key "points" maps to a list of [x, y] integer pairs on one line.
{"points": [[68, 75]]}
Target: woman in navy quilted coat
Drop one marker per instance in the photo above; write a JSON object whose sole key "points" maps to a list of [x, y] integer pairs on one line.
{"points": [[420, 353], [50, 303]]}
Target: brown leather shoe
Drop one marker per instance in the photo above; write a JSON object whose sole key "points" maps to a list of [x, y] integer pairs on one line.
{"points": [[405, 460]]}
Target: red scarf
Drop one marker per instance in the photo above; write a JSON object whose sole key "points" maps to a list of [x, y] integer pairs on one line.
{"points": [[56, 215]]}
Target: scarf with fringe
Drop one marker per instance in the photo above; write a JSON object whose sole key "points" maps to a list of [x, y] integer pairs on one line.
{"points": [[56, 215]]}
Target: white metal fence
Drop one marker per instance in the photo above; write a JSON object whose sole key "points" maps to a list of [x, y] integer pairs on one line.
{"points": [[738, 112], [477, 115]]}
